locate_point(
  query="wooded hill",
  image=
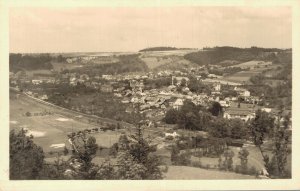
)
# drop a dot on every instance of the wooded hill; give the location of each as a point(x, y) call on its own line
point(28, 62)
point(219, 55)
point(126, 63)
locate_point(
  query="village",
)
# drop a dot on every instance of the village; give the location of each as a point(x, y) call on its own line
point(152, 102)
point(150, 92)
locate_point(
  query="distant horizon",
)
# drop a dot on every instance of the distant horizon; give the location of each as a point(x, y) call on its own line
point(137, 51)
point(129, 29)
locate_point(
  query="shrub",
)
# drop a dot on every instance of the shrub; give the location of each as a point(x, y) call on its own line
point(113, 151)
point(237, 169)
point(165, 169)
point(169, 137)
point(197, 164)
point(66, 151)
point(184, 159)
point(28, 114)
point(178, 158)
point(252, 171)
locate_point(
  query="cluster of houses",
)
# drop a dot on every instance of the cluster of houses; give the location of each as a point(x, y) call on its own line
point(155, 102)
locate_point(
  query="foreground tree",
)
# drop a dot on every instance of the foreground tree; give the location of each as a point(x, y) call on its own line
point(261, 127)
point(135, 160)
point(142, 151)
point(171, 116)
point(25, 157)
point(278, 163)
point(216, 109)
point(84, 150)
point(243, 155)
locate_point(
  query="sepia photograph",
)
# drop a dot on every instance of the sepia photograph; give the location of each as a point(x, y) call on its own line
point(183, 92)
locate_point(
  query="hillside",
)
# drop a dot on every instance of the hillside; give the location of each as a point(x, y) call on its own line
point(19, 62)
point(218, 55)
point(167, 60)
point(126, 63)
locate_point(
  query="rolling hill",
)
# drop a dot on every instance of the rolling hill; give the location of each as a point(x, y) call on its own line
point(217, 55)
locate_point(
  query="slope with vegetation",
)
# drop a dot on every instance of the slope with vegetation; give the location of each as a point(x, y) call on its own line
point(126, 63)
point(19, 62)
point(219, 55)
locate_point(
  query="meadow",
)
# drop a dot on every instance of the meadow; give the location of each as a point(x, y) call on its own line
point(193, 173)
point(53, 129)
point(255, 67)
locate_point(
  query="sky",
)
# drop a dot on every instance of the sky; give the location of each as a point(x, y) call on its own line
point(127, 29)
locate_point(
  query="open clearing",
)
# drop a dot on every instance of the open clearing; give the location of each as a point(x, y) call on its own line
point(190, 173)
point(244, 76)
point(166, 60)
point(253, 63)
point(241, 77)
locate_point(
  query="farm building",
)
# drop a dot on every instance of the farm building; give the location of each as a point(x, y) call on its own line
point(178, 104)
point(243, 114)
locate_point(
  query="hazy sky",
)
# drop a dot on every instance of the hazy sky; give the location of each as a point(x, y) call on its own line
point(131, 29)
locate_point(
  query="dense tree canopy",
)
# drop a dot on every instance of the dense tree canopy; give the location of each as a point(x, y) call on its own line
point(216, 109)
point(29, 62)
point(26, 158)
point(189, 116)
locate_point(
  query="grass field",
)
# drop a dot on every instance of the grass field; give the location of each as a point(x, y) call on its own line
point(54, 127)
point(255, 67)
point(244, 76)
point(192, 173)
point(58, 66)
point(253, 63)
